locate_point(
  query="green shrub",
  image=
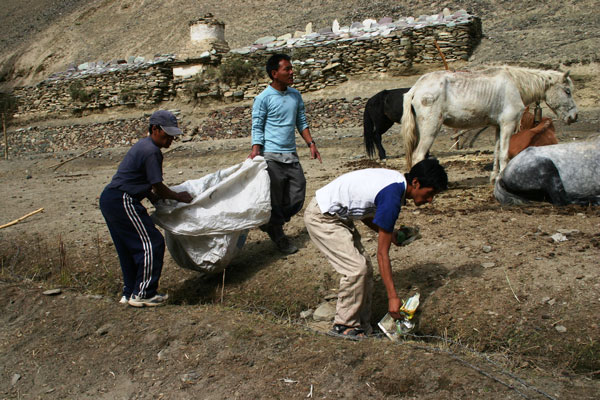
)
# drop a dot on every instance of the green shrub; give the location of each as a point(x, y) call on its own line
point(235, 70)
point(196, 86)
point(94, 94)
point(8, 104)
point(78, 92)
point(210, 73)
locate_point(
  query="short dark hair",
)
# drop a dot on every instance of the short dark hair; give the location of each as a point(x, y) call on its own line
point(429, 173)
point(273, 62)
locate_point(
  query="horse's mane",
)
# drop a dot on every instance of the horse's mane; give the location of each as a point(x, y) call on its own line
point(532, 83)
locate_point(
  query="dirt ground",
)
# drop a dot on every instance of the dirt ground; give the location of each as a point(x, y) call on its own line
point(506, 311)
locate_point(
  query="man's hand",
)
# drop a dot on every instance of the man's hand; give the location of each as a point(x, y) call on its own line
point(255, 151)
point(184, 197)
point(314, 153)
point(394, 304)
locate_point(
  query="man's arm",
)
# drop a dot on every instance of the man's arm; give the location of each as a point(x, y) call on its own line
point(259, 117)
point(384, 242)
point(314, 153)
point(164, 192)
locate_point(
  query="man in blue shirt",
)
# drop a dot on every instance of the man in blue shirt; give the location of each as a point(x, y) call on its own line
point(374, 196)
point(277, 112)
point(139, 244)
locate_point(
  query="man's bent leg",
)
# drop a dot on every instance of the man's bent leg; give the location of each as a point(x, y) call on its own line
point(121, 229)
point(147, 246)
point(335, 239)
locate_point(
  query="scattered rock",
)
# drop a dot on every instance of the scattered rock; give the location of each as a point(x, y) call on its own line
point(560, 328)
point(559, 237)
point(15, 378)
point(190, 377)
point(486, 249)
point(488, 265)
point(52, 292)
point(104, 329)
point(325, 312)
point(307, 314)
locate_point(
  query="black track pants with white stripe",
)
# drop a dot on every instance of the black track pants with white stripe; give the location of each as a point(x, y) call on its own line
point(139, 244)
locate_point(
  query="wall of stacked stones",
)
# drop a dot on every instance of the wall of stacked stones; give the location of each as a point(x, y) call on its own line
point(316, 66)
point(330, 63)
point(137, 87)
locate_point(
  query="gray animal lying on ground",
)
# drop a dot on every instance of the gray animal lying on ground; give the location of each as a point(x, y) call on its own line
point(561, 174)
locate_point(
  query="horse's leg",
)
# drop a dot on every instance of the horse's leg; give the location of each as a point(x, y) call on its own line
point(506, 131)
point(380, 129)
point(368, 129)
point(495, 168)
point(554, 187)
point(428, 126)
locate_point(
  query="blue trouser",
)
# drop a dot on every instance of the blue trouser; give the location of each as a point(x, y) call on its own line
point(139, 244)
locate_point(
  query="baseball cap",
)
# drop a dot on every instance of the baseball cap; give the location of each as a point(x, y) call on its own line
point(167, 121)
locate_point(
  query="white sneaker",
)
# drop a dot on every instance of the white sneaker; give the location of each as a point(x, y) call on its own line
point(124, 300)
point(157, 300)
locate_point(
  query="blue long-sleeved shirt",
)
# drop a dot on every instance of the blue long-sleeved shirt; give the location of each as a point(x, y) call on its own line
point(275, 115)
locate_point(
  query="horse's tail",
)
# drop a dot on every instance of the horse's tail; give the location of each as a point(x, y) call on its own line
point(411, 139)
point(505, 197)
point(369, 132)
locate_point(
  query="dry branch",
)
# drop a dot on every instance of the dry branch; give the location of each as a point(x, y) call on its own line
point(56, 166)
point(16, 221)
point(441, 54)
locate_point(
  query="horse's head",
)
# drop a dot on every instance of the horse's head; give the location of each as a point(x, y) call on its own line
point(559, 98)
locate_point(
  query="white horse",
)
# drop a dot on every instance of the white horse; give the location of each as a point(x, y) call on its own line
point(491, 97)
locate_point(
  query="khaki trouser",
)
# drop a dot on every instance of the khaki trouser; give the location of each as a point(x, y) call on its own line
point(339, 241)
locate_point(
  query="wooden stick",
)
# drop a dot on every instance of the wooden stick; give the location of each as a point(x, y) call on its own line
point(56, 166)
point(510, 286)
point(16, 221)
point(5, 138)
point(441, 54)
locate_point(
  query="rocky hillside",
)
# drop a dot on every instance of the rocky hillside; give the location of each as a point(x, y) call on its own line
point(44, 36)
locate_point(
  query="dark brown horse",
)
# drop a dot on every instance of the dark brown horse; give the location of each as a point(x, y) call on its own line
point(381, 111)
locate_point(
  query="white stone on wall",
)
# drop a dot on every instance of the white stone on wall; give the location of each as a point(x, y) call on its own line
point(188, 70)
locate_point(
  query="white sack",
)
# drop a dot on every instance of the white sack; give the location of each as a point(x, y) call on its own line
point(207, 233)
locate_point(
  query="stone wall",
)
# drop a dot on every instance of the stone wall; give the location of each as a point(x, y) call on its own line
point(143, 86)
point(330, 62)
point(326, 59)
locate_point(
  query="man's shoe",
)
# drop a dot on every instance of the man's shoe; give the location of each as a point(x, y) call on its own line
point(285, 246)
point(157, 300)
point(124, 299)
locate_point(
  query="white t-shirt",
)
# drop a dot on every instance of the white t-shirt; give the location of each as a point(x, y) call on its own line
point(374, 192)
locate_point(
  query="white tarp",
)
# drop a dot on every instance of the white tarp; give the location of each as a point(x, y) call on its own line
point(207, 233)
